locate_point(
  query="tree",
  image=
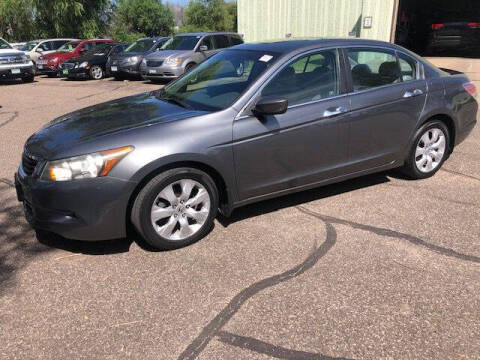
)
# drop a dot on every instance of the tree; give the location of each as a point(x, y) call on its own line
point(133, 19)
point(16, 20)
point(207, 15)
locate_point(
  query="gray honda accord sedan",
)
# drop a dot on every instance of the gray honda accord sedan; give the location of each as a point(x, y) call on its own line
point(253, 122)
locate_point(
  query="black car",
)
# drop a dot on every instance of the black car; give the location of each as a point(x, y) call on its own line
point(92, 65)
point(127, 64)
point(454, 33)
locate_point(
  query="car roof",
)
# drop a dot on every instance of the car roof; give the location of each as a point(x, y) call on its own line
point(287, 46)
point(207, 33)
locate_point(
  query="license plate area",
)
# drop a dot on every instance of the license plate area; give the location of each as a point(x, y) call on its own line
point(15, 71)
point(114, 68)
point(65, 72)
point(152, 71)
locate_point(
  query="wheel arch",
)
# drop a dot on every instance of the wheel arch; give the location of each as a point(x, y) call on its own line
point(449, 123)
point(225, 198)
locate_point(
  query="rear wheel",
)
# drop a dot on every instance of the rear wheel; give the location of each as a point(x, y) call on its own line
point(429, 150)
point(176, 208)
point(96, 72)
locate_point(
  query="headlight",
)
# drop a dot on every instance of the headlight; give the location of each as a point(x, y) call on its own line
point(85, 166)
point(133, 59)
point(173, 61)
point(83, 64)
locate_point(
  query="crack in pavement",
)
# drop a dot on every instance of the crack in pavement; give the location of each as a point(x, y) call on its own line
point(13, 117)
point(100, 93)
point(278, 352)
point(211, 330)
point(460, 174)
point(393, 234)
point(7, 182)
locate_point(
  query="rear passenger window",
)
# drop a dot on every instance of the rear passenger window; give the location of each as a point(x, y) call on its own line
point(408, 67)
point(58, 43)
point(221, 41)
point(309, 78)
point(207, 41)
point(373, 68)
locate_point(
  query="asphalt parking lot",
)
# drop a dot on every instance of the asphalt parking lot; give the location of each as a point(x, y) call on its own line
point(374, 268)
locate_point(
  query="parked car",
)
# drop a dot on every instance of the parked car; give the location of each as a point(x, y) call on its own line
point(251, 123)
point(459, 34)
point(127, 63)
point(49, 64)
point(183, 52)
point(14, 64)
point(91, 65)
point(35, 48)
point(18, 45)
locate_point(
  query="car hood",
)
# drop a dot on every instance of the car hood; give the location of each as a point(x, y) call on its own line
point(163, 54)
point(91, 58)
point(103, 119)
point(10, 52)
point(60, 54)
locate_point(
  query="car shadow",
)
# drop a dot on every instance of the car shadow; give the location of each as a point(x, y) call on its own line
point(11, 82)
point(286, 201)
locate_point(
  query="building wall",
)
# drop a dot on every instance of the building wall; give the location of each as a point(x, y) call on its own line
point(260, 20)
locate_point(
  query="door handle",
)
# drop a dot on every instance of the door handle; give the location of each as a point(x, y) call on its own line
point(415, 92)
point(334, 111)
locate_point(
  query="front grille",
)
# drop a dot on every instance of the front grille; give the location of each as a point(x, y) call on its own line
point(11, 60)
point(29, 163)
point(68, 66)
point(154, 63)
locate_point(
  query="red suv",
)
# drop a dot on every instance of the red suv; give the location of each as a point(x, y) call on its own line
point(48, 64)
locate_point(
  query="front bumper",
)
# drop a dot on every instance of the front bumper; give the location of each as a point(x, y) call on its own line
point(16, 71)
point(78, 73)
point(87, 209)
point(161, 72)
point(124, 70)
point(46, 69)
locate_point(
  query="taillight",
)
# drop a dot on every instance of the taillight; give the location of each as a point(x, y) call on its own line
point(437, 26)
point(474, 25)
point(470, 88)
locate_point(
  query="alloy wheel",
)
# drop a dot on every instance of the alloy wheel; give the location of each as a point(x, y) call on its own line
point(180, 209)
point(430, 150)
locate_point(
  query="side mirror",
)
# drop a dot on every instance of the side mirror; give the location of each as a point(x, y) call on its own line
point(203, 48)
point(270, 106)
point(38, 50)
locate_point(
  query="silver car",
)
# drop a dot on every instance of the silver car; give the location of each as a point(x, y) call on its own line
point(183, 52)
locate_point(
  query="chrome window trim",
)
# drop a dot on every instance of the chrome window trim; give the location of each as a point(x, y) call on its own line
point(286, 63)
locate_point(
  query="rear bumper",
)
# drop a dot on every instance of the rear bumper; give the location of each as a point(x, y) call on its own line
point(88, 209)
point(467, 119)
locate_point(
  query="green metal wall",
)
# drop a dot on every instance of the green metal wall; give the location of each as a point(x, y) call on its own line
point(260, 20)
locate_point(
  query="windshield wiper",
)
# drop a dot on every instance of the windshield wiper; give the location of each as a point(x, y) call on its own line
point(176, 101)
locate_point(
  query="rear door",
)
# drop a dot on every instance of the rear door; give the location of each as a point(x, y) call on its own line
point(305, 145)
point(210, 44)
point(388, 96)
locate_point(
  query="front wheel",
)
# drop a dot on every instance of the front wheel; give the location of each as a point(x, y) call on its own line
point(429, 150)
point(176, 208)
point(96, 72)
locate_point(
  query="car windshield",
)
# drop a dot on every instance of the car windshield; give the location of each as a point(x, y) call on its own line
point(140, 46)
point(181, 43)
point(4, 44)
point(29, 46)
point(219, 81)
point(68, 47)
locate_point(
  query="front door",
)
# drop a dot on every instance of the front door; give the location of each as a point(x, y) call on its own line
point(387, 100)
point(305, 145)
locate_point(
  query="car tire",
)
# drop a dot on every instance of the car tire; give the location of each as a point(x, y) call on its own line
point(28, 79)
point(96, 72)
point(429, 150)
point(176, 208)
point(189, 67)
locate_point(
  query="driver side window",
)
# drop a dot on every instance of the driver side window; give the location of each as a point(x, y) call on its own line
point(309, 78)
point(208, 42)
